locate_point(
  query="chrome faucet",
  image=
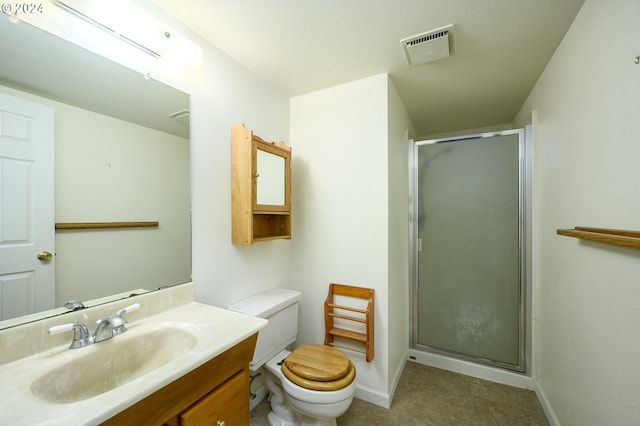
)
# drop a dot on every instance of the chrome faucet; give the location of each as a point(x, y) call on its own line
point(81, 335)
point(113, 324)
point(107, 327)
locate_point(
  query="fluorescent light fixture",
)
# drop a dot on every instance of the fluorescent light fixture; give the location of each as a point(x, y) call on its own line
point(133, 25)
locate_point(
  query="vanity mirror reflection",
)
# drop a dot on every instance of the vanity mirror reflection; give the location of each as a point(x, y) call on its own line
point(121, 155)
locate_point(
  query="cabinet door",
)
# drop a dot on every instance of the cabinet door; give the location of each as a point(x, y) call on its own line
point(226, 405)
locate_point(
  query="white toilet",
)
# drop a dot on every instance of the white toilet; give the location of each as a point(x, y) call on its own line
point(312, 385)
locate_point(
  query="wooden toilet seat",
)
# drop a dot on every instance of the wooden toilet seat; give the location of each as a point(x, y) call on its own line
point(319, 367)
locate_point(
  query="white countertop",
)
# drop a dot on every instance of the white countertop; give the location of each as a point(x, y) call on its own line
point(216, 331)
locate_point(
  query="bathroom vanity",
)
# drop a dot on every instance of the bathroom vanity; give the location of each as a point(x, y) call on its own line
point(216, 393)
point(179, 362)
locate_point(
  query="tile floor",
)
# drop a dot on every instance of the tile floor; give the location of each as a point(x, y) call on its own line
point(431, 396)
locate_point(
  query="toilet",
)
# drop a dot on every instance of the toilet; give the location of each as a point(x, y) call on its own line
point(314, 384)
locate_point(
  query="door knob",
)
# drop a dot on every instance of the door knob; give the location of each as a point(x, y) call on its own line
point(44, 256)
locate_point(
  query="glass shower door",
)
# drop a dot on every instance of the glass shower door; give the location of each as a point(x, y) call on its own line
point(468, 225)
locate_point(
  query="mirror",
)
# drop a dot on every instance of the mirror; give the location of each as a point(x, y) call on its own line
point(135, 169)
point(271, 169)
point(270, 183)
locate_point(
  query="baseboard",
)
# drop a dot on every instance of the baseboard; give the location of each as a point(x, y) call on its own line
point(471, 369)
point(546, 405)
point(396, 377)
point(373, 396)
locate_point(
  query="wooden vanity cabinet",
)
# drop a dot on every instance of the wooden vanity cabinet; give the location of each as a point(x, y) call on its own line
point(226, 405)
point(260, 188)
point(216, 393)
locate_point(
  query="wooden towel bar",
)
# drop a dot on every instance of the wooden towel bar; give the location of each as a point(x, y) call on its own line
point(621, 237)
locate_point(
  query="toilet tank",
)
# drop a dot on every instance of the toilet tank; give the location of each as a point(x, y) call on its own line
point(280, 307)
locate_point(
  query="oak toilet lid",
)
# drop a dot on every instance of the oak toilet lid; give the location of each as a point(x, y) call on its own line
point(319, 367)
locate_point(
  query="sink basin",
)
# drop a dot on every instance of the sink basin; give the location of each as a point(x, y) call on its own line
point(104, 366)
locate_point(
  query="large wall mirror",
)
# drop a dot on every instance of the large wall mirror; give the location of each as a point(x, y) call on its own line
point(121, 155)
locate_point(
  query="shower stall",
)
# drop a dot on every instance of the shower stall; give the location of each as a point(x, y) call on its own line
point(468, 237)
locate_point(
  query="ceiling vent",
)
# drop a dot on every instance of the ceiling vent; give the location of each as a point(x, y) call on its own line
point(428, 47)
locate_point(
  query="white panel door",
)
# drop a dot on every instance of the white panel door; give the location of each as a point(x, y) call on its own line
point(27, 284)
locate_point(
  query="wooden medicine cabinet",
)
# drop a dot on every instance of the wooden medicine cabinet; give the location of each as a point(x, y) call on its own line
point(260, 188)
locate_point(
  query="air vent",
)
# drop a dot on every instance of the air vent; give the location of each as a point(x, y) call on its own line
point(428, 47)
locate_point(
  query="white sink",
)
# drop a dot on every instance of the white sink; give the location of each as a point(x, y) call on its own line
point(107, 365)
point(87, 386)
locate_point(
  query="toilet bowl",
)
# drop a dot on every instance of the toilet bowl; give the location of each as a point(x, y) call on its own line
point(294, 404)
point(314, 384)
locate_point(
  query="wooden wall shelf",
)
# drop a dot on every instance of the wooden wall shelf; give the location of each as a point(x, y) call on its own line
point(619, 237)
point(102, 225)
point(362, 317)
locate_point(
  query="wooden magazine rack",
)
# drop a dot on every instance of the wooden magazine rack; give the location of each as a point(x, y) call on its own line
point(362, 319)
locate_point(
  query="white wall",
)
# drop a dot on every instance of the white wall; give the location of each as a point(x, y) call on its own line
point(399, 130)
point(343, 151)
point(587, 343)
point(223, 93)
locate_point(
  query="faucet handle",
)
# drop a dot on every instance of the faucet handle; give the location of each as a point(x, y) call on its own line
point(81, 335)
point(74, 305)
point(119, 320)
point(128, 309)
point(113, 325)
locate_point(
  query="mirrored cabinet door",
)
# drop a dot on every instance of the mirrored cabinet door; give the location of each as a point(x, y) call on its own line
point(271, 173)
point(270, 178)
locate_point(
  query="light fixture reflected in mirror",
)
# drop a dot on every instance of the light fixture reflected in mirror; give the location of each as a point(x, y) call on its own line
point(14, 18)
point(132, 25)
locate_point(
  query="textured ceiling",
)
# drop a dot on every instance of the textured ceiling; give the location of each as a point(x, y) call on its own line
point(501, 48)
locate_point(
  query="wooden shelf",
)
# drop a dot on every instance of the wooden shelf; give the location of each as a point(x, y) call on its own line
point(619, 237)
point(271, 226)
point(348, 334)
point(102, 225)
point(362, 317)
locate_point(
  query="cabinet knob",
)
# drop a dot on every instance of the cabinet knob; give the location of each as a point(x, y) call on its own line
point(220, 423)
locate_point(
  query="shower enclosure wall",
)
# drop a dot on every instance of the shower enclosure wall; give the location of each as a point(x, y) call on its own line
point(469, 248)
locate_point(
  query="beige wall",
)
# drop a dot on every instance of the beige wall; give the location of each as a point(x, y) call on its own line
point(587, 338)
point(111, 170)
